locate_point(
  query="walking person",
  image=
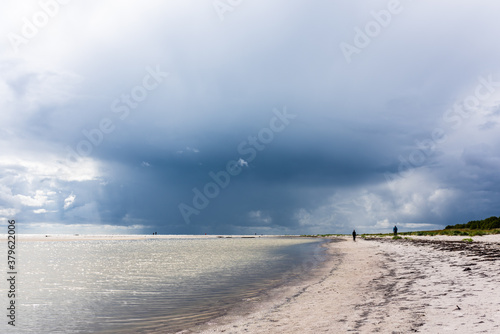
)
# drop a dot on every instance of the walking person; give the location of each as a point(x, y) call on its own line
point(395, 230)
point(354, 235)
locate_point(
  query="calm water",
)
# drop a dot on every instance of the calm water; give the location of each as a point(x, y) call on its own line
point(134, 285)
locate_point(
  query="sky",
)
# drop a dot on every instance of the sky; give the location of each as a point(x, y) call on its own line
point(243, 117)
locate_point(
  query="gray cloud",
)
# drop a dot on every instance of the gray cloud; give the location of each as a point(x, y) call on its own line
point(341, 163)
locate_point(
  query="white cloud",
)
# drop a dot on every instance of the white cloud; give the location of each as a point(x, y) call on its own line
point(31, 166)
point(260, 217)
point(441, 199)
point(8, 212)
point(39, 199)
point(129, 220)
point(28, 87)
point(419, 226)
point(304, 218)
point(194, 150)
point(417, 201)
point(189, 149)
point(69, 201)
point(58, 228)
point(384, 224)
point(34, 180)
point(242, 163)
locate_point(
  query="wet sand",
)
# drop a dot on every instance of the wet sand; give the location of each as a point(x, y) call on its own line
point(426, 285)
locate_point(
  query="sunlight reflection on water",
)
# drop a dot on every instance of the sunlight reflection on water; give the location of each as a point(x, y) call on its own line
point(109, 285)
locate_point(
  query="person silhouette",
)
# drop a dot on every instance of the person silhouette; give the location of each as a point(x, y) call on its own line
point(395, 230)
point(353, 235)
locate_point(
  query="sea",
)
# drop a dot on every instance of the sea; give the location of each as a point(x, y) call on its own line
point(148, 285)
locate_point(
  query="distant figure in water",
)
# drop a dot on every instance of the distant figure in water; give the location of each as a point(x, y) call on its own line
point(353, 235)
point(395, 230)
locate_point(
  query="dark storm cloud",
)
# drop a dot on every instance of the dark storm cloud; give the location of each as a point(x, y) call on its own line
point(84, 87)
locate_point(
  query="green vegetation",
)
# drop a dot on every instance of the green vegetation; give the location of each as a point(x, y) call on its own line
point(467, 240)
point(396, 237)
point(471, 229)
point(485, 224)
point(457, 232)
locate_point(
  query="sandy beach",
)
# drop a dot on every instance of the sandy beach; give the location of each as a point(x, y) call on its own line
point(426, 284)
point(438, 284)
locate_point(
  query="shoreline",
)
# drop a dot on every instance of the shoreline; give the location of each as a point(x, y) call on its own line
point(425, 285)
point(275, 297)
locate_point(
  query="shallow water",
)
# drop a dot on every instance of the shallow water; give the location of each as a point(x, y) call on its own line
point(141, 285)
